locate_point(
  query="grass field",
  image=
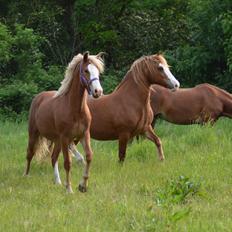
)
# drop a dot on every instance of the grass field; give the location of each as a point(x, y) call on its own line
point(142, 195)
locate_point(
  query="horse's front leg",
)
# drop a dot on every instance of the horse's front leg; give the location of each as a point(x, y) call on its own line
point(67, 163)
point(55, 155)
point(149, 133)
point(122, 144)
point(85, 141)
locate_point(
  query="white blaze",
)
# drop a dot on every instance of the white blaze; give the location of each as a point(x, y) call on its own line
point(94, 73)
point(172, 79)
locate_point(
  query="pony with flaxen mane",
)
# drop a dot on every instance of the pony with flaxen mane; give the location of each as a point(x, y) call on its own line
point(126, 112)
point(60, 116)
point(199, 105)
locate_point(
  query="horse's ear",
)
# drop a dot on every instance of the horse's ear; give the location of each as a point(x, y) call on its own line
point(101, 55)
point(160, 53)
point(86, 56)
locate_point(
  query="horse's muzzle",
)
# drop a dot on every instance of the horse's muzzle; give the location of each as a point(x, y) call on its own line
point(97, 93)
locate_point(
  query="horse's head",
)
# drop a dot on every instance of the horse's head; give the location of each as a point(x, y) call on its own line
point(163, 75)
point(90, 69)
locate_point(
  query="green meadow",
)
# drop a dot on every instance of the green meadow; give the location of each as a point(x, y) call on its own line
point(190, 191)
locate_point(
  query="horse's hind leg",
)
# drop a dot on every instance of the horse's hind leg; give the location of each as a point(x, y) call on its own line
point(154, 121)
point(79, 158)
point(154, 138)
point(33, 139)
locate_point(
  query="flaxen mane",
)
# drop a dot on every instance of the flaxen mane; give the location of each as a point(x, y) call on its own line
point(139, 66)
point(98, 62)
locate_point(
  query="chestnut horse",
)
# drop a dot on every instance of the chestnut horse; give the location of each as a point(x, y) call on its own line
point(199, 105)
point(126, 112)
point(60, 116)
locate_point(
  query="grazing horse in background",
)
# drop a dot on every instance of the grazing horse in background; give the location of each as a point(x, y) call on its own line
point(126, 112)
point(60, 116)
point(199, 105)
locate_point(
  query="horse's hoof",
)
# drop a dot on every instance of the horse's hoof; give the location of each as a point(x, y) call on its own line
point(82, 188)
point(121, 161)
point(25, 175)
point(57, 182)
point(69, 190)
point(161, 158)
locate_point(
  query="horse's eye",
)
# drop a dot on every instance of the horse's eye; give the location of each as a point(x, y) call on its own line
point(86, 71)
point(160, 68)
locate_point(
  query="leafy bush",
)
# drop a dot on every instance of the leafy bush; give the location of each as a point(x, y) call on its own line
point(21, 69)
point(173, 200)
point(226, 20)
point(111, 79)
point(16, 97)
point(177, 191)
point(38, 40)
point(5, 44)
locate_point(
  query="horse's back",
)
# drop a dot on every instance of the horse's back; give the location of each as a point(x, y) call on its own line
point(42, 97)
point(190, 105)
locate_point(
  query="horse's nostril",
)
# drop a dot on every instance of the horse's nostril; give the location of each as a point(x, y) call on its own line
point(95, 91)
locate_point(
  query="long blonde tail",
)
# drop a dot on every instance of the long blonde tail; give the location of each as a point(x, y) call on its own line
point(43, 149)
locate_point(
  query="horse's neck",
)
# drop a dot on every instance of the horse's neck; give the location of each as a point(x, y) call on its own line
point(76, 95)
point(130, 89)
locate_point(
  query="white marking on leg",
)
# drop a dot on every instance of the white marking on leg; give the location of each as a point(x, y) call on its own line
point(57, 174)
point(75, 153)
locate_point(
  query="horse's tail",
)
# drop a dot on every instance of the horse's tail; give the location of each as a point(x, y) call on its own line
point(38, 146)
point(43, 149)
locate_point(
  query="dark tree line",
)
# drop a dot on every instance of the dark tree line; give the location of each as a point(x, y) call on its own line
point(38, 38)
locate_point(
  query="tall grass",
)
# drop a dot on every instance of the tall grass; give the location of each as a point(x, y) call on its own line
point(124, 197)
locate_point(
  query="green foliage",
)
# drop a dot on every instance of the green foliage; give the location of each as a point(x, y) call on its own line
point(111, 79)
point(227, 30)
point(17, 96)
point(177, 191)
point(21, 69)
point(38, 39)
point(174, 200)
point(204, 58)
point(5, 45)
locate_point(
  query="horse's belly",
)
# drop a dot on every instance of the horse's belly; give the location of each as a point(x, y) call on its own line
point(46, 126)
point(184, 117)
point(47, 130)
point(107, 134)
